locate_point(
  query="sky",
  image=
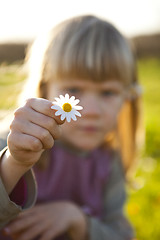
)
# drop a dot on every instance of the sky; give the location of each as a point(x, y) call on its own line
point(23, 20)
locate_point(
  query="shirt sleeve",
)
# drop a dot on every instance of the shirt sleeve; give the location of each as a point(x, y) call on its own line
point(8, 208)
point(114, 225)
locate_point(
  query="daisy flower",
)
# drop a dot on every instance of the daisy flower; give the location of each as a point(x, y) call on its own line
point(67, 107)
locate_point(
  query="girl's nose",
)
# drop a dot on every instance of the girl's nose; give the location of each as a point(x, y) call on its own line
point(91, 105)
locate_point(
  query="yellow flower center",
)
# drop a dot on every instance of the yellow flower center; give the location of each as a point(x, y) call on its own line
point(67, 107)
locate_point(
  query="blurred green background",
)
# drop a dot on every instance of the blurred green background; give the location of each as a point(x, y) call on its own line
point(143, 205)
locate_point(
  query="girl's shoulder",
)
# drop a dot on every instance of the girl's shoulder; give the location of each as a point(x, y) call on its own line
point(114, 155)
point(4, 130)
point(3, 142)
point(116, 165)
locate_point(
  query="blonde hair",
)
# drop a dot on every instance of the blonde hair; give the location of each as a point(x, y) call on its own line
point(90, 48)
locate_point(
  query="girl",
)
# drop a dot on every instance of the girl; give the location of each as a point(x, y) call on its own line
point(80, 176)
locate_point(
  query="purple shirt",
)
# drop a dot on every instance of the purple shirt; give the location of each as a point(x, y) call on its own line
point(79, 178)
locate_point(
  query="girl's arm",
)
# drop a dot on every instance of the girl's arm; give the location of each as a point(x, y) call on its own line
point(33, 129)
point(10, 170)
point(114, 225)
point(23, 195)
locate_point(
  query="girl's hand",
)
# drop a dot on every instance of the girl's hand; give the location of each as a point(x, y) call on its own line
point(49, 221)
point(33, 129)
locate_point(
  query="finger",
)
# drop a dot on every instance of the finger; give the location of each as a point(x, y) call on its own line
point(20, 224)
point(36, 131)
point(45, 122)
point(24, 142)
point(32, 232)
point(38, 229)
point(37, 118)
point(43, 106)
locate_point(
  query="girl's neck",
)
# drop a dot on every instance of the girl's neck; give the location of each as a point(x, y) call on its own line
point(72, 149)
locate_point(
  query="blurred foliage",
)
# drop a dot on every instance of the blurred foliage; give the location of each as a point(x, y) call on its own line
point(149, 74)
point(11, 82)
point(143, 206)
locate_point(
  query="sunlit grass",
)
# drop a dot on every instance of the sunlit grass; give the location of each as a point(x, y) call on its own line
point(149, 72)
point(11, 82)
point(143, 205)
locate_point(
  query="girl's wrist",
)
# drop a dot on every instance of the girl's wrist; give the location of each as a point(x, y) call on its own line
point(11, 171)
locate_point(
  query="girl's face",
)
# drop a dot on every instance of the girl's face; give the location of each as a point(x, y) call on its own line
point(101, 103)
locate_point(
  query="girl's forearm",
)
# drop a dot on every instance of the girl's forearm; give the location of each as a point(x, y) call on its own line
point(11, 171)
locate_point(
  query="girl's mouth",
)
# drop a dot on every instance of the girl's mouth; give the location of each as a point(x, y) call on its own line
point(90, 129)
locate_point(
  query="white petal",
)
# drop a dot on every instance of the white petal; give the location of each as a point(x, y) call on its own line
point(78, 107)
point(74, 117)
point(63, 116)
point(61, 97)
point(68, 118)
point(66, 96)
point(76, 101)
point(57, 103)
point(77, 113)
point(57, 99)
point(59, 112)
point(55, 107)
point(72, 99)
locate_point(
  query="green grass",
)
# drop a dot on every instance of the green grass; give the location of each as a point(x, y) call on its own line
point(143, 206)
point(11, 82)
point(149, 72)
point(144, 203)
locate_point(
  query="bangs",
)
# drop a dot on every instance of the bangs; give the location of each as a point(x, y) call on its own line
point(89, 48)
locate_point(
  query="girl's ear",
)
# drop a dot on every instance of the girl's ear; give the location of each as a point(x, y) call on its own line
point(127, 95)
point(133, 92)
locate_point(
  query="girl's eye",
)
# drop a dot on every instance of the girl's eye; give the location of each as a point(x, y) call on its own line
point(73, 90)
point(108, 93)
